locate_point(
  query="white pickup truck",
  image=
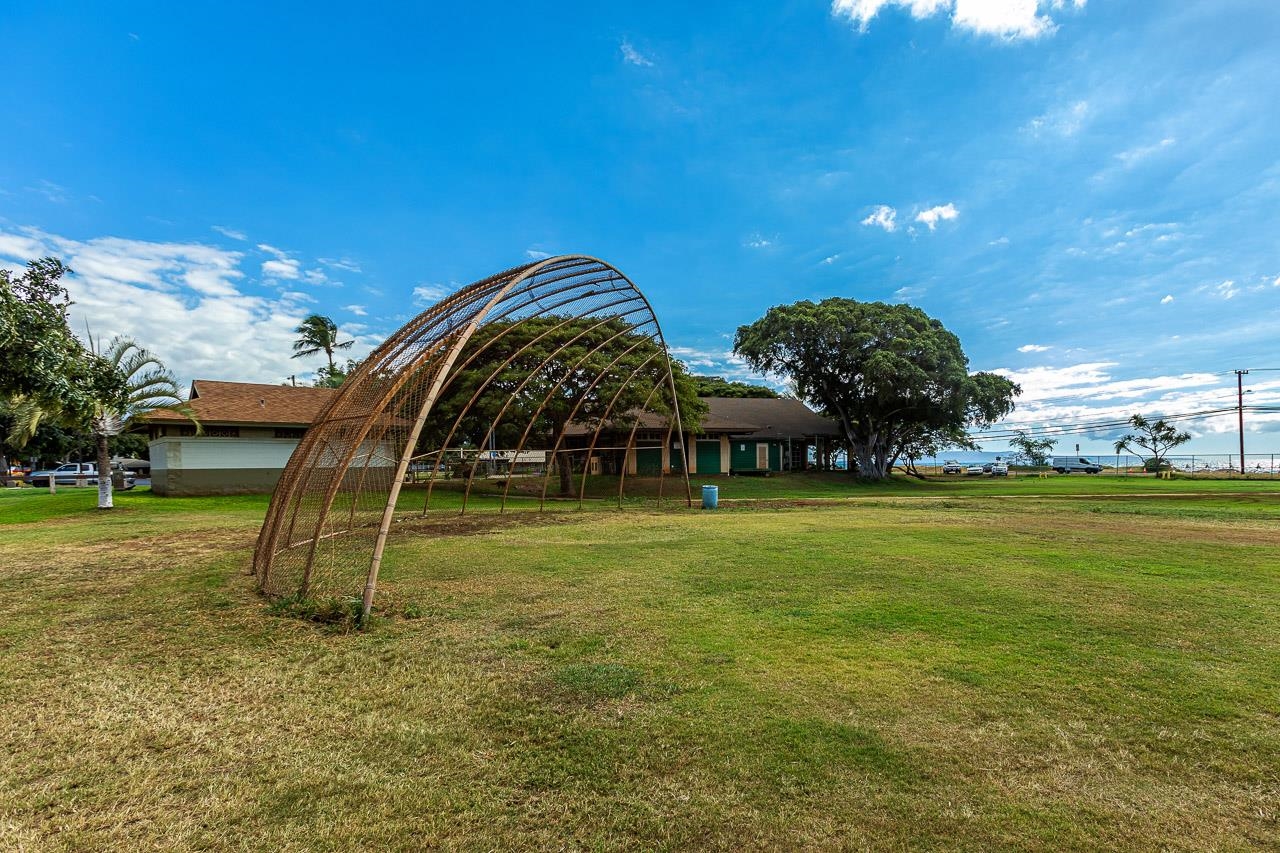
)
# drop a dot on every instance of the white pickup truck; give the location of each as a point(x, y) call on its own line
point(72, 474)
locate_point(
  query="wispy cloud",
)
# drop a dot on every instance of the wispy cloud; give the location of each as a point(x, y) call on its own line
point(1034, 348)
point(1167, 299)
point(633, 56)
point(358, 310)
point(934, 215)
point(231, 232)
point(51, 191)
point(344, 264)
point(536, 254)
point(883, 216)
point(1133, 156)
point(756, 241)
point(1063, 121)
point(429, 294)
point(1006, 19)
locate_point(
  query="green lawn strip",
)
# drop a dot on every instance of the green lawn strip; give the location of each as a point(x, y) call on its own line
point(986, 674)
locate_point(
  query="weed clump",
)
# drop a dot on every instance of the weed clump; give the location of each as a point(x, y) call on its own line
point(343, 614)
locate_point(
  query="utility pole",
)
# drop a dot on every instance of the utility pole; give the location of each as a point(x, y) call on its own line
point(1240, 412)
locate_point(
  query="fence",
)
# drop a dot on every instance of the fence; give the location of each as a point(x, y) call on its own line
point(1216, 465)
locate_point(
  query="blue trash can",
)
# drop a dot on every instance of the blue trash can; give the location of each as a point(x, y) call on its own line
point(710, 497)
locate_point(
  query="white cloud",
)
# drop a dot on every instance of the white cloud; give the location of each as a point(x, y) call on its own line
point(180, 300)
point(286, 269)
point(723, 363)
point(633, 56)
point(933, 215)
point(1089, 393)
point(1167, 299)
point(281, 266)
point(755, 241)
point(902, 294)
point(536, 254)
point(344, 264)
point(1001, 241)
point(1065, 121)
point(1133, 156)
point(429, 294)
point(1006, 19)
point(1227, 289)
point(833, 258)
point(883, 216)
point(358, 310)
point(1034, 348)
point(230, 232)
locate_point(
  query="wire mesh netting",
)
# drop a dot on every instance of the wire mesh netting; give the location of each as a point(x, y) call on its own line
point(539, 374)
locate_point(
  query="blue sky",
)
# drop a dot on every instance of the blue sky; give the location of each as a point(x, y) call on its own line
point(1088, 194)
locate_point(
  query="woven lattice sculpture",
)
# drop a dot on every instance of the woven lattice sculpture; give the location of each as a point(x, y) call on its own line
point(549, 357)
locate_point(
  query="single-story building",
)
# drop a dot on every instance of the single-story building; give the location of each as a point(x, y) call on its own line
point(737, 436)
point(248, 433)
point(250, 430)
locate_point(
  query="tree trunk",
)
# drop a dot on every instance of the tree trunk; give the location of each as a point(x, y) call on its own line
point(565, 466)
point(104, 472)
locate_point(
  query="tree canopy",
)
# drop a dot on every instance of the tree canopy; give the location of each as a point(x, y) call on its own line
point(718, 386)
point(318, 334)
point(1036, 450)
point(41, 361)
point(550, 370)
point(892, 377)
point(1156, 438)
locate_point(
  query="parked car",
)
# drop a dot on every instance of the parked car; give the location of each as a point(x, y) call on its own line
point(951, 466)
point(1067, 464)
point(74, 473)
point(974, 471)
point(999, 469)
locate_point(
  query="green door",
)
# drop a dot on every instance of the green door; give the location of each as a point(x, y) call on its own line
point(649, 460)
point(742, 455)
point(709, 457)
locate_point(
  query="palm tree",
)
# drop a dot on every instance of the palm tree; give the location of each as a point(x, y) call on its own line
point(149, 387)
point(319, 334)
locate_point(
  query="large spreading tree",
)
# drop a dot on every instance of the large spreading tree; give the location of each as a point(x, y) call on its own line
point(891, 376)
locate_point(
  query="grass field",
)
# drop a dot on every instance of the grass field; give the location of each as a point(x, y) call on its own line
point(972, 665)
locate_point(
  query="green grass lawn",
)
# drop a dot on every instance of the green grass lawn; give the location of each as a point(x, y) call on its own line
point(965, 665)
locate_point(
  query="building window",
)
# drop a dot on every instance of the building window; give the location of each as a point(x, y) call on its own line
point(211, 432)
point(290, 432)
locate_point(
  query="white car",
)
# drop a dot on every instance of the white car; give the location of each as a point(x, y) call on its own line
point(999, 469)
point(974, 471)
point(951, 466)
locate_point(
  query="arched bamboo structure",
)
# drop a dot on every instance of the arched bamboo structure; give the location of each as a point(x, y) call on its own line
point(581, 337)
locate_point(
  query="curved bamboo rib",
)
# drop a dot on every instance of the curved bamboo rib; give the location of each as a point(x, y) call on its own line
point(335, 504)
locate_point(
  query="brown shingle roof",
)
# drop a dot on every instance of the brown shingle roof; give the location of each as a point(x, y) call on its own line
point(774, 418)
point(250, 403)
point(285, 405)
